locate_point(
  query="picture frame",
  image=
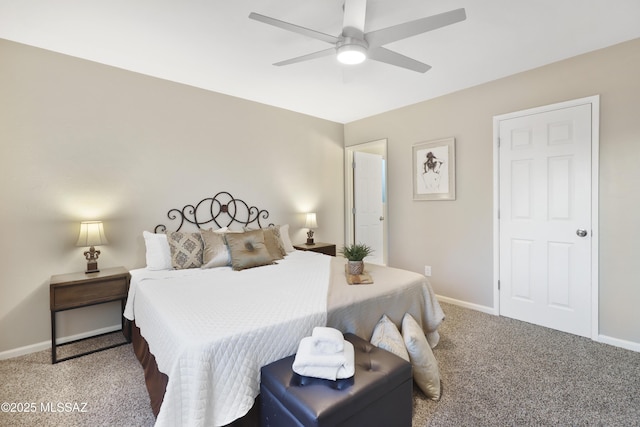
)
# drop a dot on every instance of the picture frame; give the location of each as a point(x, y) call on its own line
point(434, 170)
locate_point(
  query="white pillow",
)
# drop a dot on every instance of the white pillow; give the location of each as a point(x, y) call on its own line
point(387, 337)
point(286, 240)
point(425, 366)
point(158, 252)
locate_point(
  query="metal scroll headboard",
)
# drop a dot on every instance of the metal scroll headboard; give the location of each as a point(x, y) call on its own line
point(223, 210)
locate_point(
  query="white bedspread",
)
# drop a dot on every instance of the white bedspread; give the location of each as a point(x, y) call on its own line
point(212, 352)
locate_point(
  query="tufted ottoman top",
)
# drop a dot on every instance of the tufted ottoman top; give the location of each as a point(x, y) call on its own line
point(381, 387)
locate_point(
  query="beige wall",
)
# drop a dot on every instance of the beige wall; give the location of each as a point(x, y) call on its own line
point(456, 237)
point(79, 140)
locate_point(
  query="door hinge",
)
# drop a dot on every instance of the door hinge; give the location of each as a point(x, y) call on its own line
point(353, 211)
point(498, 142)
point(353, 164)
point(498, 284)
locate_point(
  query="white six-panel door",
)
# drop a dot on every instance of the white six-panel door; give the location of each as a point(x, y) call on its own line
point(545, 221)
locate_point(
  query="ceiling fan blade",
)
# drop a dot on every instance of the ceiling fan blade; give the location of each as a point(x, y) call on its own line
point(294, 28)
point(412, 28)
point(319, 54)
point(390, 57)
point(355, 12)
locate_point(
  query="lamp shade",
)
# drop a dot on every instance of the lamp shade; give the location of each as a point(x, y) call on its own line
point(91, 234)
point(311, 221)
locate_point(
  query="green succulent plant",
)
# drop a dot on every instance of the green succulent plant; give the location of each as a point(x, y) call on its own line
point(356, 251)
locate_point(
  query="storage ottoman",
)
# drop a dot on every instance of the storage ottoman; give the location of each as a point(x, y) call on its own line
point(379, 394)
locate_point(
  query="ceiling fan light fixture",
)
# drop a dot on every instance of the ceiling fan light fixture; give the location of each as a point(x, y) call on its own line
point(351, 52)
point(352, 46)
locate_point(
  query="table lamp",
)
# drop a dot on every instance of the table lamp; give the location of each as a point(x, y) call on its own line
point(310, 224)
point(91, 234)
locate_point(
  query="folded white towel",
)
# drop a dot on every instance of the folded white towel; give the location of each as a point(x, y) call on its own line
point(324, 366)
point(327, 340)
point(307, 357)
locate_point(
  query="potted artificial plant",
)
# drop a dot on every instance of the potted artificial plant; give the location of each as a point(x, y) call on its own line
point(355, 253)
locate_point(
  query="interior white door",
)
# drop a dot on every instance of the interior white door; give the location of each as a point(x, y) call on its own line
point(545, 218)
point(368, 204)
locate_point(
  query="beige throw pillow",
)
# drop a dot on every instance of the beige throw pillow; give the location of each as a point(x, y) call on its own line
point(215, 252)
point(248, 250)
point(425, 366)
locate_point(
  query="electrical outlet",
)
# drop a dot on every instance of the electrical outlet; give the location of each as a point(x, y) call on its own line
point(427, 270)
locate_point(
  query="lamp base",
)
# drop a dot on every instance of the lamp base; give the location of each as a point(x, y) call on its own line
point(92, 260)
point(92, 267)
point(310, 237)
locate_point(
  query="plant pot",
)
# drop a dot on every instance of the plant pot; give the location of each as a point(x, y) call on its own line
point(355, 267)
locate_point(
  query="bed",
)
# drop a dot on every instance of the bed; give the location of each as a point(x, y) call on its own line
point(202, 334)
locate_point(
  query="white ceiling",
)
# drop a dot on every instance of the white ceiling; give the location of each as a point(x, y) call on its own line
point(213, 45)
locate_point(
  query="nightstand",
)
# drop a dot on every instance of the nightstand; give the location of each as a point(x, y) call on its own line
point(75, 290)
point(321, 248)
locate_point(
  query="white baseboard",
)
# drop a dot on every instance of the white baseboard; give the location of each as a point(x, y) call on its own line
point(465, 304)
point(616, 342)
point(628, 345)
point(45, 345)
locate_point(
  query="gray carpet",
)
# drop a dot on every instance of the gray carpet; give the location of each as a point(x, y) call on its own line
point(111, 383)
point(495, 371)
point(498, 371)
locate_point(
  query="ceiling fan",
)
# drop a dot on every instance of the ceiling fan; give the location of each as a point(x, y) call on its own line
point(353, 46)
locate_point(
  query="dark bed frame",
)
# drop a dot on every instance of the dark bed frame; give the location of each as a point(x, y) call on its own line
point(221, 210)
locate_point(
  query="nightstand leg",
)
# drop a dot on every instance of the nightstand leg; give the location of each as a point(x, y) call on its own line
point(53, 337)
point(126, 323)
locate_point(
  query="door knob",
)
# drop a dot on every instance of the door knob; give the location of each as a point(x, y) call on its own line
point(581, 232)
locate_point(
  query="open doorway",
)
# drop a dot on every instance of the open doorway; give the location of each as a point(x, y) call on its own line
point(367, 224)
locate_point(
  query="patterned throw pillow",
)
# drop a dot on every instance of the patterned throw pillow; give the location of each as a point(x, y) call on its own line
point(186, 249)
point(275, 229)
point(273, 242)
point(387, 337)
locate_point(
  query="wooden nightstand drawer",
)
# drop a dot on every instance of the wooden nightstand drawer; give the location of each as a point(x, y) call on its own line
point(86, 294)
